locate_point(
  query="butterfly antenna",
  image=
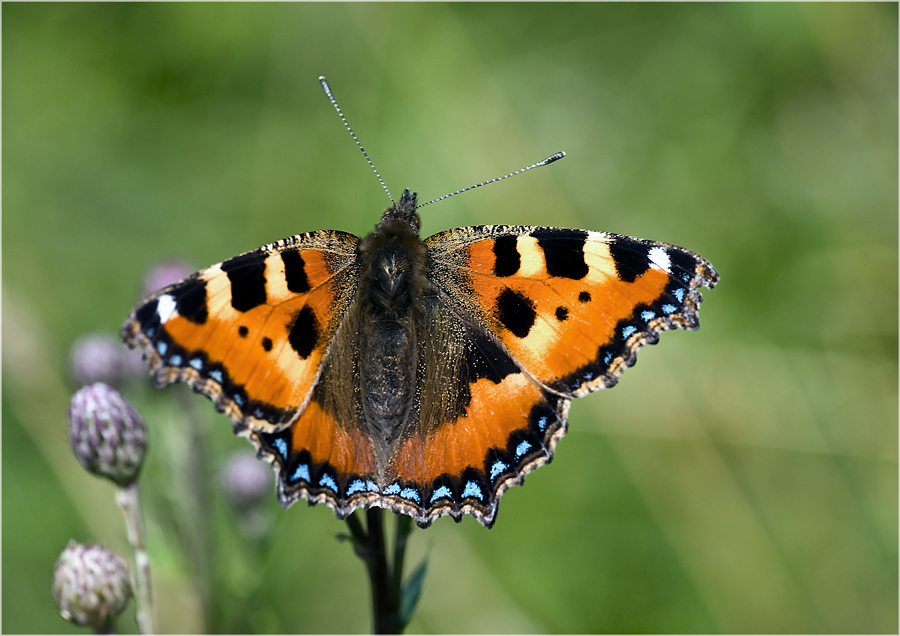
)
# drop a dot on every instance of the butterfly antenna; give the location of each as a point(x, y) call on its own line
point(334, 103)
point(550, 159)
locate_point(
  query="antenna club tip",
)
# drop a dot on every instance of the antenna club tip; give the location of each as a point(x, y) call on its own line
point(321, 78)
point(555, 157)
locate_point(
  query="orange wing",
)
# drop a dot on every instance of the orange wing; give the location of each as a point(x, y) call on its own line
point(251, 332)
point(571, 306)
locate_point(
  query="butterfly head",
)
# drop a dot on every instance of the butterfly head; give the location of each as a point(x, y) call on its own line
point(403, 212)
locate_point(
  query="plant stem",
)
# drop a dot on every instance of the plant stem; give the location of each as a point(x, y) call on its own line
point(128, 498)
point(386, 578)
point(404, 527)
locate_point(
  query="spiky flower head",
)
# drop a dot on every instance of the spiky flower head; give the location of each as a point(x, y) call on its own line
point(107, 433)
point(99, 357)
point(248, 483)
point(165, 273)
point(246, 480)
point(90, 585)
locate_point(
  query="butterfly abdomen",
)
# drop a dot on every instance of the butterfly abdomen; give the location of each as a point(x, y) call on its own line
point(392, 283)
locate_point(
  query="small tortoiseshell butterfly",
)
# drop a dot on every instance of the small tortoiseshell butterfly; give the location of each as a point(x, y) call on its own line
point(422, 376)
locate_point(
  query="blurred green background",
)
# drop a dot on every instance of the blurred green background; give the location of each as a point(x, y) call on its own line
point(742, 478)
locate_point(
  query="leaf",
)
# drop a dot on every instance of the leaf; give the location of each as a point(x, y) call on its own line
point(412, 591)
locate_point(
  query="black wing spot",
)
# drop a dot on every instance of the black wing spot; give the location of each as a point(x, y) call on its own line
point(485, 359)
point(147, 315)
point(584, 297)
point(563, 252)
point(267, 344)
point(303, 332)
point(190, 301)
point(515, 312)
point(682, 262)
point(247, 275)
point(295, 271)
point(507, 258)
point(562, 313)
point(631, 259)
point(243, 331)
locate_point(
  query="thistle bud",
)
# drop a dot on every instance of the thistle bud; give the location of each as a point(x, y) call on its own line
point(247, 483)
point(164, 274)
point(98, 357)
point(246, 480)
point(107, 434)
point(90, 585)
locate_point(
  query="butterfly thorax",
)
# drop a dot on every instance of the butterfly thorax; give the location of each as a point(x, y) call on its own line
point(393, 281)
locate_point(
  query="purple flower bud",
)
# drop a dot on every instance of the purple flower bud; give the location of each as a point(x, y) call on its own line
point(246, 480)
point(107, 434)
point(165, 273)
point(90, 585)
point(99, 357)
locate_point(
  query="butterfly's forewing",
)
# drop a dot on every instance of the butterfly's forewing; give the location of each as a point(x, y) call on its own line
point(571, 306)
point(251, 332)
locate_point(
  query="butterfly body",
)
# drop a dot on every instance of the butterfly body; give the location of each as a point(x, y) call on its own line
point(391, 306)
point(422, 376)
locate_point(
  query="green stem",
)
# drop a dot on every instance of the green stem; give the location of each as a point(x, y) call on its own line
point(128, 499)
point(385, 577)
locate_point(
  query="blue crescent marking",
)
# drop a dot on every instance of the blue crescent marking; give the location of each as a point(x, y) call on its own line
point(217, 376)
point(679, 294)
point(302, 472)
point(371, 486)
point(522, 448)
point(472, 490)
point(281, 445)
point(497, 468)
point(627, 331)
point(668, 309)
point(197, 363)
point(328, 482)
point(647, 315)
point(393, 489)
point(443, 491)
point(176, 360)
point(238, 399)
point(355, 486)
point(542, 424)
point(162, 347)
point(410, 493)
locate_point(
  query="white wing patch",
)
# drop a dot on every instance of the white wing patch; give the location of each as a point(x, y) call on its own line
point(165, 307)
point(660, 259)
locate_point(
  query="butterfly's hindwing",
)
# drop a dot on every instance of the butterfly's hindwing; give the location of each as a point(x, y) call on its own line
point(482, 423)
point(479, 425)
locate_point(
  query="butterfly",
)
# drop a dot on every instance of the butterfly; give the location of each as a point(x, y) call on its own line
point(423, 376)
